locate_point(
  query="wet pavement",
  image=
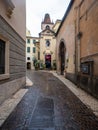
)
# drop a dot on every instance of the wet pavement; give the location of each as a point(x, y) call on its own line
point(50, 105)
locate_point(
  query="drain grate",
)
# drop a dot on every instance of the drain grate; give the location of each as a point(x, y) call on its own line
point(43, 117)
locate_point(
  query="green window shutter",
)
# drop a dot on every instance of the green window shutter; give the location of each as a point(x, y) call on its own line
point(28, 40)
point(28, 49)
point(34, 50)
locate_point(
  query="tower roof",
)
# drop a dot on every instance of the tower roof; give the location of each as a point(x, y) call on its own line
point(47, 19)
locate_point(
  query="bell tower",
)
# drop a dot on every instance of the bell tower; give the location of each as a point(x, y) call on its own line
point(46, 23)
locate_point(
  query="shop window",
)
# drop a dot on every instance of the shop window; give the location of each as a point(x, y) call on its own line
point(87, 68)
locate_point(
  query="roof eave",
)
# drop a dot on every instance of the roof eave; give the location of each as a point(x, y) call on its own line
point(65, 15)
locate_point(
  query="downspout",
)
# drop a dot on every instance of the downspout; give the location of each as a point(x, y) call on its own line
point(78, 36)
point(75, 60)
point(78, 43)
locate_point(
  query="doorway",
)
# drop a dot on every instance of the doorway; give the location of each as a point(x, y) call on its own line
point(48, 61)
point(28, 65)
point(62, 58)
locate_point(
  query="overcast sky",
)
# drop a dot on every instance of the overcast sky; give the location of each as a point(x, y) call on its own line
point(36, 10)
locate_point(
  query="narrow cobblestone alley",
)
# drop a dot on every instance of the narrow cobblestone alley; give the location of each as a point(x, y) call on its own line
point(50, 105)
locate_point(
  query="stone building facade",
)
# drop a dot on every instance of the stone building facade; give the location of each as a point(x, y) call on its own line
point(12, 47)
point(65, 38)
point(77, 44)
point(32, 50)
point(47, 42)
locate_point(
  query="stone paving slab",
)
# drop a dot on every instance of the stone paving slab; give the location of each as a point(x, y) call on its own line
point(86, 98)
point(8, 106)
point(28, 82)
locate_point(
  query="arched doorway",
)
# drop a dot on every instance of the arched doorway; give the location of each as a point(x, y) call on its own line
point(62, 57)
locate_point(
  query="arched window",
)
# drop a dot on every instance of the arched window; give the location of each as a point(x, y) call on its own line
point(47, 43)
point(47, 27)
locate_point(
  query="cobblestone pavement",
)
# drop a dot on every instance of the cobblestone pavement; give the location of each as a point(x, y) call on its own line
point(50, 105)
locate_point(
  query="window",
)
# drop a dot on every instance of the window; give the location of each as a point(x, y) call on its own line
point(47, 43)
point(47, 27)
point(34, 41)
point(4, 58)
point(38, 55)
point(28, 49)
point(28, 58)
point(28, 40)
point(34, 50)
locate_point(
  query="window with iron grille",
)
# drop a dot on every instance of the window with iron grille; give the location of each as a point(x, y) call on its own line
point(2, 56)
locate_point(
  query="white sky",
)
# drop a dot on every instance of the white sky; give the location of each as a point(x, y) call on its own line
point(36, 10)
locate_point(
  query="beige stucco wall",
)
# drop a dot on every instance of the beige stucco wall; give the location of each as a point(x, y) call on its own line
point(18, 18)
point(89, 29)
point(31, 54)
point(67, 34)
point(48, 50)
point(56, 26)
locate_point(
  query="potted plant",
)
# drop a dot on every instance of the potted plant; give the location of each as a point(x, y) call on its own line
point(36, 65)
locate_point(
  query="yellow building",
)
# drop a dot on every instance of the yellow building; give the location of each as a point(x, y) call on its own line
point(47, 42)
point(56, 25)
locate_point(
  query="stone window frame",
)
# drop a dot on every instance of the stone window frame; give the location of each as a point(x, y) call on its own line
point(6, 75)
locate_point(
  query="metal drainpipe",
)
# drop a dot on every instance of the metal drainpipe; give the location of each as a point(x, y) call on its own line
point(75, 51)
point(78, 30)
point(78, 44)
